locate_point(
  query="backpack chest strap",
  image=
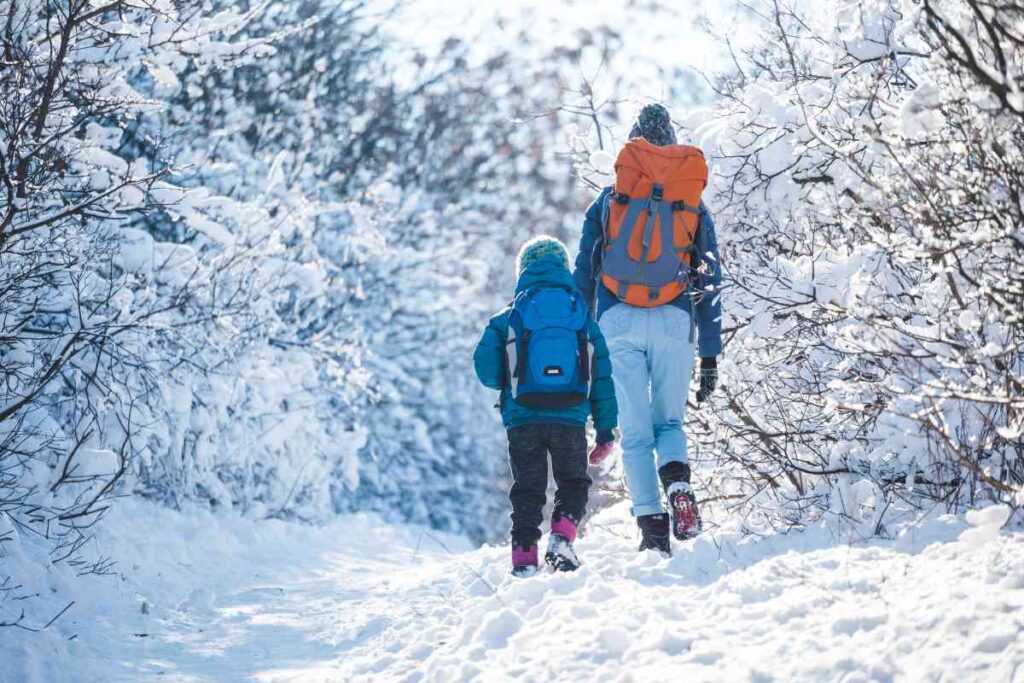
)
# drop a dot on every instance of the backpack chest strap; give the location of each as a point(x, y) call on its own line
point(680, 205)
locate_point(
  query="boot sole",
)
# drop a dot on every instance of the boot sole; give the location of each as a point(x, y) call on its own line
point(560, 563)
point(693, 532)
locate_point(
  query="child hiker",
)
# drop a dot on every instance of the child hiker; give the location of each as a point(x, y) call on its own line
point(549, 360)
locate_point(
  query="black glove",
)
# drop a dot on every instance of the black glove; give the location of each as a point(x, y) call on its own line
point(708, 378)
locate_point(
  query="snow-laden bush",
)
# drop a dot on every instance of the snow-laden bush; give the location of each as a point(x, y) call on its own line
point(98, 321)
point(868, 165)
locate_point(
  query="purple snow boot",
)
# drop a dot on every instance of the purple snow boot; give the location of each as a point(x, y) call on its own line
point(561, 555)
point(524, 560)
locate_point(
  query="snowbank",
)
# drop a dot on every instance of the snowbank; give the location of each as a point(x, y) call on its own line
point(204, 597)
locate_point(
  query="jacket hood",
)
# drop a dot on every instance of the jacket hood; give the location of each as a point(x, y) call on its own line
point(547, 271)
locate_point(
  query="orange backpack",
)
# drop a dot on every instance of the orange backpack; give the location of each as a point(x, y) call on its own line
point(651, 220)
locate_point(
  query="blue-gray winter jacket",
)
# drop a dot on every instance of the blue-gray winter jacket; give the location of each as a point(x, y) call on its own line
point(489, 360)
point(704, 287)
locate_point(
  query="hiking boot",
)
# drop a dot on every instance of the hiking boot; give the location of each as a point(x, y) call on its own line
point(654, 533)
point(524, 560)
point(686, 522)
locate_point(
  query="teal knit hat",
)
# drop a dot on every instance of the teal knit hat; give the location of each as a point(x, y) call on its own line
point(539, 247)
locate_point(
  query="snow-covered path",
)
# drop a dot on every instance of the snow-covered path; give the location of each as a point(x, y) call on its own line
point(729, 608)
point(234, 600)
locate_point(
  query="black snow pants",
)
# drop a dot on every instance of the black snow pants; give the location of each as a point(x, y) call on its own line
point(528, 449)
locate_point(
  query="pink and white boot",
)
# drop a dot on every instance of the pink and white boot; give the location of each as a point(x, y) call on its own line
point(524, 560)
point(560, 555)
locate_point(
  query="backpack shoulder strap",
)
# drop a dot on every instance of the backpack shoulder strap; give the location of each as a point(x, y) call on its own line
point(606, 207)
point(519, 299)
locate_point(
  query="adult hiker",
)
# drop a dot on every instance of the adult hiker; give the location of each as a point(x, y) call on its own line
point(649, 257)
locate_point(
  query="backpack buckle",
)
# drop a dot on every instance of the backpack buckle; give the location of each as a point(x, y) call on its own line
point(657, 192)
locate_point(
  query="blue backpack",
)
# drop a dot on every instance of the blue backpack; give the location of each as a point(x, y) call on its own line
point(548, 350)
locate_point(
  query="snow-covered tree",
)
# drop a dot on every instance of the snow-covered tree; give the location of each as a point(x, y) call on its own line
point(868, 165)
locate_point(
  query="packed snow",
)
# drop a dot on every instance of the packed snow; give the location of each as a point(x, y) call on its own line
point(221, 598)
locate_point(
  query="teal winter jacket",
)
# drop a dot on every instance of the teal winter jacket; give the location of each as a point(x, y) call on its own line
point(489, 359)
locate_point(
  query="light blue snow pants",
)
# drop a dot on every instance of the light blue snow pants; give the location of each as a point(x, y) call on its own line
point(652, 354)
